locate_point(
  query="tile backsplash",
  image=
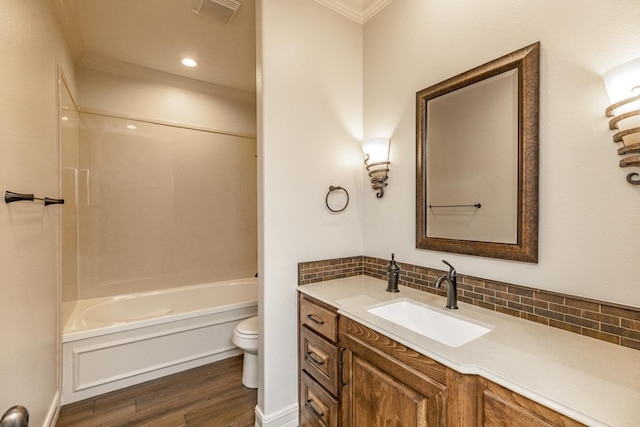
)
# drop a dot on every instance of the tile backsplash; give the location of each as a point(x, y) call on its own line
point(613, 323)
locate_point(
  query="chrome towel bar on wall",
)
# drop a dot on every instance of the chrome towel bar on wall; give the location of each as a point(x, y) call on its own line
point(10, 197)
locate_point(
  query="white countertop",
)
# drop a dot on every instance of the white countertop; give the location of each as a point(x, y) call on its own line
point(591, 381)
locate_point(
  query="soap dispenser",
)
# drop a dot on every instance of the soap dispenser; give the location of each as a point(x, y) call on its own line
point(393, 271)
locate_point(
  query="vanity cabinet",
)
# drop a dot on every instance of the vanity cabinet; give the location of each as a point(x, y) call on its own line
point(386, 383)
point(500, 407)
point(319, 362)
point(350, 375)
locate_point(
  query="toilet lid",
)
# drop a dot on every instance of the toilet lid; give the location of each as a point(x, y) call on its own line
point(248, 326)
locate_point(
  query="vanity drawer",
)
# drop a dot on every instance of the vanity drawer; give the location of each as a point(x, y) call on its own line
point(319, 358)
point(319, 319)
point(317, 407)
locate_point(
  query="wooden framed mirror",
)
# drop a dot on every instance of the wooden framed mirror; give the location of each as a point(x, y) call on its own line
point(477, 160)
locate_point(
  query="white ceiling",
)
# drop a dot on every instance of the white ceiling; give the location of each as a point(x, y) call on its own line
point(153, 35)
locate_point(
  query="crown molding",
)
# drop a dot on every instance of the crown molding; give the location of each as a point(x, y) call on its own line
point(358, 10)
point(127, 69)
point(71, 27)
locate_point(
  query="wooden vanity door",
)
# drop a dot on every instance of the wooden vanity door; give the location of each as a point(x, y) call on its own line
point(501, 407)
point(379, 390)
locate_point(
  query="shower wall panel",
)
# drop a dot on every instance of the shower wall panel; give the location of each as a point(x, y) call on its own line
point(69, 185)
point(164, 206)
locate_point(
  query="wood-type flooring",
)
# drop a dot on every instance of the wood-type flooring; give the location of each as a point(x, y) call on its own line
point(208, 396)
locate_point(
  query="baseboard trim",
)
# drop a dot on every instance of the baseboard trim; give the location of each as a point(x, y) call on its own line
point(54, 410)
point(286, 417)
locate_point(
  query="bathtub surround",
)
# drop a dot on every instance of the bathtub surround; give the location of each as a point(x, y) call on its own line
point(160, 206)
point(613, 323)
point(69, 175)
point(124, 89)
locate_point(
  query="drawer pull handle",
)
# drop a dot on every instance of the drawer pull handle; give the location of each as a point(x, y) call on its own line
point(311, 405)
point(313, 358)
point(314, 320)
point(341, 366)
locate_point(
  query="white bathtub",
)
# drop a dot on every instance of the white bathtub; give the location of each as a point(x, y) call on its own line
point(114, 342)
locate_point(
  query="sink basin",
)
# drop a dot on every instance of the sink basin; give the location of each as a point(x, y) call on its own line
point(442, 327)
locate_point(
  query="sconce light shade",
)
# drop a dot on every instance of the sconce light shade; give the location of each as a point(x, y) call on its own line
point(623, 87)
point(376, 161)
point(623, 82)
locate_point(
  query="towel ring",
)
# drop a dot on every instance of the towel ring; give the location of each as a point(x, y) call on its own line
point(331, 190)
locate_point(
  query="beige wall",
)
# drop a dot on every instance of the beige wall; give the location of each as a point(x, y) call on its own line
point(589, 228)
point(310, 80)
point(32, 45)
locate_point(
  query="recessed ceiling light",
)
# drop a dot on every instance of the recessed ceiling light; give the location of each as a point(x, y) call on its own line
point(132, 127)
point(64, 118)
point(189, 62)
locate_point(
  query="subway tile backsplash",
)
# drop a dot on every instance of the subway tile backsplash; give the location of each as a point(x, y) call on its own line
point(604, 321)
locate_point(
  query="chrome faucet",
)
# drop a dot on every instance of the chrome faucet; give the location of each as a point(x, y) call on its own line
point(452, 292)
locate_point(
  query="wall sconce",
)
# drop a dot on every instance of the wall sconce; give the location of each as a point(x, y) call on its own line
point(376, 162)
point(623, 87)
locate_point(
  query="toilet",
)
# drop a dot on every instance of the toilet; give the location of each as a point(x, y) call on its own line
point(245, 336)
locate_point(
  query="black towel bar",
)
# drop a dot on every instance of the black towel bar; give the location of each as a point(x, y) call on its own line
point(477, 205)
point(10, 197)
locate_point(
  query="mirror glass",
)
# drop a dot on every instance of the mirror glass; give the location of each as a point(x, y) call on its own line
point(477, 162)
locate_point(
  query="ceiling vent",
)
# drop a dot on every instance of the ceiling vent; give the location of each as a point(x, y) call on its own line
point(220, 10)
